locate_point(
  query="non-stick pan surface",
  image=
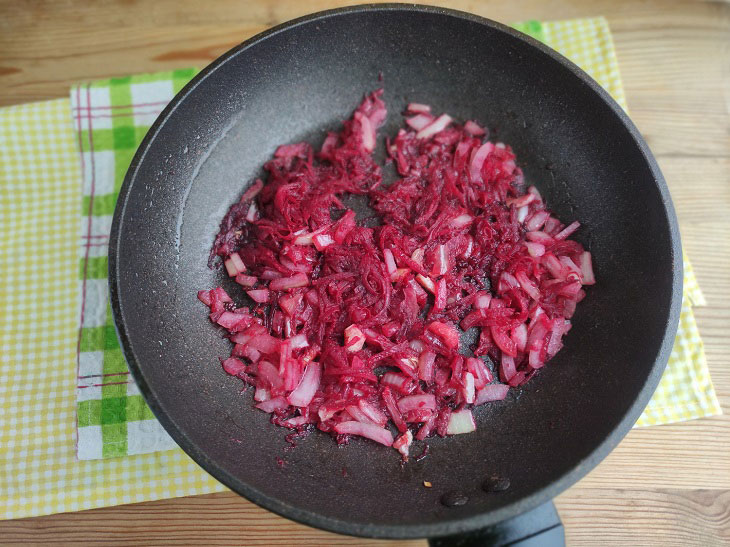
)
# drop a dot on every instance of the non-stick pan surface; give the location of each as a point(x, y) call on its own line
point(300, 79)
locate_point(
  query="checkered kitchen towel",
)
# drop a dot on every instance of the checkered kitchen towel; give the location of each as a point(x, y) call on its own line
point(110, 119)
point(39, 325)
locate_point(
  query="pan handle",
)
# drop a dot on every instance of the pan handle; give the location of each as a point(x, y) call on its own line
point(540, 527)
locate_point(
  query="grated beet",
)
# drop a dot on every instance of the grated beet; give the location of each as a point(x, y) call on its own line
point(352, 326)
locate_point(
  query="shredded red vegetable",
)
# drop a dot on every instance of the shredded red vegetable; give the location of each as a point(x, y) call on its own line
point(350, 327)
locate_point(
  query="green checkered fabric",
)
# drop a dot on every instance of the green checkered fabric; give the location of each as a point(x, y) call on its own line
point(533, 28)
point(110, 118)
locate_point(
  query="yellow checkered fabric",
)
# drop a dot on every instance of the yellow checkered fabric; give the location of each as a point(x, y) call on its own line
point(39, 217)
point(685, 390)
point(39, 226)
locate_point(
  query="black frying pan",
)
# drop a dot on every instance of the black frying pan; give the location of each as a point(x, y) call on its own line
point(292, 83)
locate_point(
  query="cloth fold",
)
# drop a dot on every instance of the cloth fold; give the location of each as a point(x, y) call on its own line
point(55, 367)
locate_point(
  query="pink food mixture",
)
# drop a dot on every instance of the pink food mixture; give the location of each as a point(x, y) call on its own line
point(353, 328)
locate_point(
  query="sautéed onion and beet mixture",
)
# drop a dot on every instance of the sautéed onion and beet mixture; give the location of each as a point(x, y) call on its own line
point(354, 325)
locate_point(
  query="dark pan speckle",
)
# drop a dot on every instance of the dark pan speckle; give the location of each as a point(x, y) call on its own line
point(454, 498)
point(496, 484)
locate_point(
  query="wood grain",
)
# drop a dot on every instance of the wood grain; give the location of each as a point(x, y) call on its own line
point(215, 519)
point(592, 516)
point(667, 485)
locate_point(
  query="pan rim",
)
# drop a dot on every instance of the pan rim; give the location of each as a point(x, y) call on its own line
point(397, 531)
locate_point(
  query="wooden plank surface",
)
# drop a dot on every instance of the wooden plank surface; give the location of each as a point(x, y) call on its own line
point(666, 485)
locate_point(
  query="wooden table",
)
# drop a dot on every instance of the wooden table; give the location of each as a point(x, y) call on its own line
point(665, 485)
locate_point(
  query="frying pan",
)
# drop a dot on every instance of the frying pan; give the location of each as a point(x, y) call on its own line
point(293, 83)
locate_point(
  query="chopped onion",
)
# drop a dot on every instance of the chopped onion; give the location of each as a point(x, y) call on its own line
point(298, 342)
point(566, 232)
point(528, 285)
point(233, 366)
point(204, 297)
point(446, 333)
point(390, 266)
point(252, 212)
point(535, 357)
point(297, 421)
point(477, 161)
point(426, 283)
point(540, 237)
point(420, 121)
point(553, 265)
point(286, 283)
point(521, 201)
point(441, 264)
point(492, 392)
point(421, 295)
point(399, 382)
point(534, 191)
point(229, 320)
point(468, 388)
point(373, 413)
point(552, 226)
point(369, 431)
point(358, 414)
point(307, 387)
point(507, 368)
point(270, 274)
point(462, 220)
point(277, 403)
point(522, 213)
point(461, 422)
point(354, 338)
point(535, 249)
point(474, 129)
point(392, 407)
point(270, 374)
point(425, 365)
point(519, 336)
point(536, 221)
point(403, 443)
point(418, 107)
point(322, 241)
point(259, 295)
point(482, 375)
point(237, 262)
point(230, 267)
point(586, 268)
point(571, 267)
point(434, 127)
point(264, 343)
point(246, 280)
point(367, 131)
point(261, 394)
point(289, 303)
point(417, 402)
point(481, 302)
